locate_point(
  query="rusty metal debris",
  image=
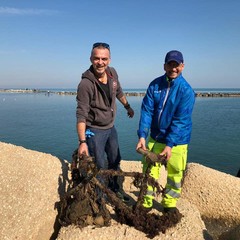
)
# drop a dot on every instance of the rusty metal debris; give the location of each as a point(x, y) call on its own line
point(86, 202)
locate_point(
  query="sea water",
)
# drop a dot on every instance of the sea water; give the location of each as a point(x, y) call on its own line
point(47, 123)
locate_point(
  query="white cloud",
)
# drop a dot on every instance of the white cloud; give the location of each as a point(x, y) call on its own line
point(28, 11)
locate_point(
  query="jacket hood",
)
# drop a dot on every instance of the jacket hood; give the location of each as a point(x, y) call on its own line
point(89, 74)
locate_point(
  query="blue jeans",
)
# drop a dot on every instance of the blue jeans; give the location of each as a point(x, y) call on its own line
point(105, 142)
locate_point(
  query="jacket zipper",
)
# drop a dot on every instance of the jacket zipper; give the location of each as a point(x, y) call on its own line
point(164, 102)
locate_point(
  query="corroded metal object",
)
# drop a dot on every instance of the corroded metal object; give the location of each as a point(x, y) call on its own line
point(85, 203)
point(151, 157)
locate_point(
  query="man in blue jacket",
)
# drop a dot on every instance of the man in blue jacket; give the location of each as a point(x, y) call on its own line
point(166, 115)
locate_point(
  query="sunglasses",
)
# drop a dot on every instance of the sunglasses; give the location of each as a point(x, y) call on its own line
point(98, 44)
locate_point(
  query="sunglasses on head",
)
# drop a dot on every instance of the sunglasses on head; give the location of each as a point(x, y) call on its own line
point(98, 44)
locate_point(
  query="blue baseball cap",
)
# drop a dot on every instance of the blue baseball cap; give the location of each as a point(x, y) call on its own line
point(174, 55)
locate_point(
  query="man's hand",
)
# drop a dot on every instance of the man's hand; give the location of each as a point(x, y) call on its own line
point(141, 144)
point(167, 151)
point(130, 112)
point(83, 149)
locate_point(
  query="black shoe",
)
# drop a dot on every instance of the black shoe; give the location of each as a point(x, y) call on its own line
point(148, 209)
point(121, 196)
point(170, 210)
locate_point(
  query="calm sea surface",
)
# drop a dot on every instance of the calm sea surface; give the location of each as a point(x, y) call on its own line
point(47, 123)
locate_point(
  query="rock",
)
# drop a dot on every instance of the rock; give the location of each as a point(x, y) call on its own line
point(233, 234)
point(30, 184)
point(190, 227)
point(216, 196)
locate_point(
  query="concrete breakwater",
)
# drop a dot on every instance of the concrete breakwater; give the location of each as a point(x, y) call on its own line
point(215, 94)
point(135, 94)
point(142, 94)
point(30, 201)
point(198, 94)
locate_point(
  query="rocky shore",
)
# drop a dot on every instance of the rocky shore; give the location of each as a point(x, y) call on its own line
point(136, 94)
point(31, 184)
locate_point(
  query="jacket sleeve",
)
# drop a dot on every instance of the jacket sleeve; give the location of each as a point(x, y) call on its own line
point(84, 96)
point(181, 124)
point(147, 110)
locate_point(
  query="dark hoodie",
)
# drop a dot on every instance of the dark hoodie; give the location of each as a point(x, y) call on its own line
point(93, 106)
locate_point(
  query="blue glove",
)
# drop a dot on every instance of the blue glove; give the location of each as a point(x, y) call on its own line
point(89, 133)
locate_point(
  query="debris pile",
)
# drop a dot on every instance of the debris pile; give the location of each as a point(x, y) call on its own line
point(86, 202)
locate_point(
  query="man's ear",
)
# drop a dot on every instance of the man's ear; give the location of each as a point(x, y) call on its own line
point(164, 66)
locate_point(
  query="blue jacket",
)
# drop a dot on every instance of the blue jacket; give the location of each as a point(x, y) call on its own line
point(166, 111)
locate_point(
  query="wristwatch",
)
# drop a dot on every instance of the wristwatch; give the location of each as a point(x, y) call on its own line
point(82, 141)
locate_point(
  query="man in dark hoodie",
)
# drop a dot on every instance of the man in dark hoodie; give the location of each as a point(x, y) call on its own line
point(96, 111)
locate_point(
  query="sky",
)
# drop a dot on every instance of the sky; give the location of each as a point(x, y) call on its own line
point(47, 44)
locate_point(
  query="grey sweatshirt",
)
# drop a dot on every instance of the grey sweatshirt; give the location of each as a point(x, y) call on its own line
point(93, 106)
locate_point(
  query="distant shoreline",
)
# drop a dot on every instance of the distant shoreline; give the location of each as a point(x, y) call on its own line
point(132, 93)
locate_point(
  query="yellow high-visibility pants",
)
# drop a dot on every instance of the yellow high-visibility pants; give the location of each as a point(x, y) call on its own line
point(175, 169)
